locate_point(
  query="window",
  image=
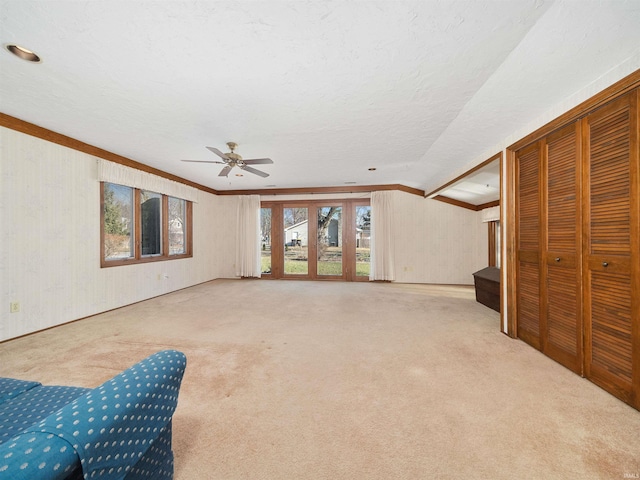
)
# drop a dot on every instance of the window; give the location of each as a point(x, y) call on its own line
point(142, 226)
point(151, 226)
point(329, 240)
point(117, 221)
point(296, 247)
point(363, 240)
point(265, 239)
point(177, 226)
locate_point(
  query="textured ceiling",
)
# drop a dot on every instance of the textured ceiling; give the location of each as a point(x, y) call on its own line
point(476, 188)
point(327, 89)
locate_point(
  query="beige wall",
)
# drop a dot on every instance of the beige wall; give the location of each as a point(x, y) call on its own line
point(50, 237)
point(436, 242)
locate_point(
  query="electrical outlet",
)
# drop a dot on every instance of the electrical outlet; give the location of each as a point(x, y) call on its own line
point(14, 307)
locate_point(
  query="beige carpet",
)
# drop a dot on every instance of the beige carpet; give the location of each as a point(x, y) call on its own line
point(328, 380)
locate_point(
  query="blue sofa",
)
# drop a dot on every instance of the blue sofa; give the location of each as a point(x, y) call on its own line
point(119, 430)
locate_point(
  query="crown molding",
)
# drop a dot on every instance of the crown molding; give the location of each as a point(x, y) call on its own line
point(23, 126)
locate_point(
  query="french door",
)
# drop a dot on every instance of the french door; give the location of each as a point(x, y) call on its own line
point(316, 240)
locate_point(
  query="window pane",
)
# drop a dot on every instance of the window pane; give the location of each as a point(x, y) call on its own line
point(329, 241)
point(177, 226)
point(151, 232)
point(265, 237)
point(363, 240)
point(296, 246)
point(118, 222)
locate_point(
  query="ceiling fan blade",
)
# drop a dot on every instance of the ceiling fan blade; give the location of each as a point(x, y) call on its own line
point(257, 161)
point(253, 170)
point(219, 153)
point(225, 171)
point(202, 161)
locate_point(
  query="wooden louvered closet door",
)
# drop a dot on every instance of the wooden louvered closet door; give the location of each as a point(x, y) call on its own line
point(561, 322)
point(611, 258)
point(549, 244)
point(578, 246)
point(528, 244)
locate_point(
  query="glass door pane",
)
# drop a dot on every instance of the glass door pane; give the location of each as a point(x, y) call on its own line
point(329, 241)
point(363, 240)
point(265, 239)
point(296, 241)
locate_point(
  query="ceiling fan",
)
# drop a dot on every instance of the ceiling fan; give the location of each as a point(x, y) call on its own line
point(231, 159)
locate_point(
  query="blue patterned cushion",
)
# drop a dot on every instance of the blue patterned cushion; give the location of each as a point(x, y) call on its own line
point(10, 387)
point(157, 462)
point(32, 406)
point(110, 428)
point(37, 456)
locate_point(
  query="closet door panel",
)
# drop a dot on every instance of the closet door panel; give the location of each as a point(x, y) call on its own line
point(611, 305)
point(562, 336)
point(528, 238)
point(611, 331)
point(610, 185)
point(562, 342)
point(529, 303)
point(563, 191)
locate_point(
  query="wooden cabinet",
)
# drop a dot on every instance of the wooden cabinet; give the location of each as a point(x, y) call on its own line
point(578, 246)
point(487, 286)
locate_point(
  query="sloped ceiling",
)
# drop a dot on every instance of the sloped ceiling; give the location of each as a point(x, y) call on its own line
point(476, 188)
point(328, 89)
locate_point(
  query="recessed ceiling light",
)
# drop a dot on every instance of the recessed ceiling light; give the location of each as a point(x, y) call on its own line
point(372, 169)
point(23, 53)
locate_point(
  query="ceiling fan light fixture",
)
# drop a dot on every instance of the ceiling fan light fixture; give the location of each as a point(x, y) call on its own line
point(23, 53)
point(231, 160)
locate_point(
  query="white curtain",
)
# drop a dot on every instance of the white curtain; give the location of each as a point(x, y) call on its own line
point(381, 236)
point(491, 214)
point(248, 244)
point(132, 177)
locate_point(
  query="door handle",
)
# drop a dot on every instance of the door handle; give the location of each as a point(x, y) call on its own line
point(557, 259)
point(605, 264)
